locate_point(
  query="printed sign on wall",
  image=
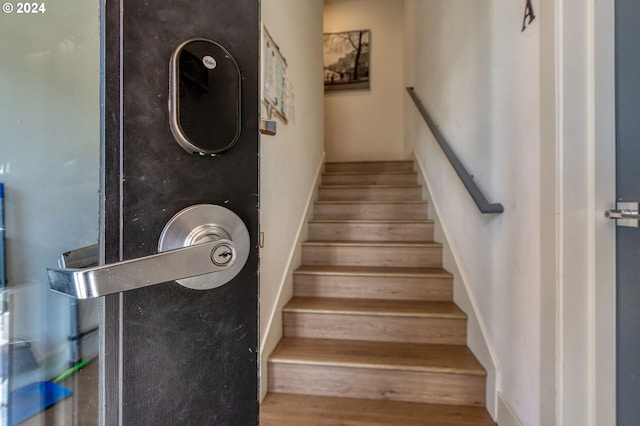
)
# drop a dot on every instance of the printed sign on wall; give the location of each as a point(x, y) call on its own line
point(275, 93)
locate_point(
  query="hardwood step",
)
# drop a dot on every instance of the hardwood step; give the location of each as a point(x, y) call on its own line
point(375, 320)
point(370, 193)
point(370, 210)
point(410, 254)
point(380, 178)
point(440, 374)
point(371, 230)
point(433, 284)
point(369, 166)
point(281, 409)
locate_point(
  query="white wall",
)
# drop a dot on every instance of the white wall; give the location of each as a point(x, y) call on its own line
point(367, 124)
point(478, 76)
point(290, 161)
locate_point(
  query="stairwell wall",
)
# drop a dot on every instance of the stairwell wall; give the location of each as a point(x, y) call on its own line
point(290, 162)
point(478, 76)
point(367, 124)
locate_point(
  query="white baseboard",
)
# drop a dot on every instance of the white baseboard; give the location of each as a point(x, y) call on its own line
point(476, 329)
point(273, 331)
point(506, 415)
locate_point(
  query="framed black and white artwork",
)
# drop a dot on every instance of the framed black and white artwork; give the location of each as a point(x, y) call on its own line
point(347, 60)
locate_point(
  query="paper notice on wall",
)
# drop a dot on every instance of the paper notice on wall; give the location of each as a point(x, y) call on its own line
point(274, 78)
point(289, 101)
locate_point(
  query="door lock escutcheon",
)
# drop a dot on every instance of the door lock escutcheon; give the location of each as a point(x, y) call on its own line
point(201, 247)
point(626, 214)
point(204, 97)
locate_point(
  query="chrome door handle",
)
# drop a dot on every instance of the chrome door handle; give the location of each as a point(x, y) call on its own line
point(145, 271)
point(201, 247)
point(625, 214)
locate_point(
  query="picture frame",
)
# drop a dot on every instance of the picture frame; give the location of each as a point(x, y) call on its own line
point(346, 57)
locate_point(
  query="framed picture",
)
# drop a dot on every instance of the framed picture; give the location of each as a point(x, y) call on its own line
point(346, 60)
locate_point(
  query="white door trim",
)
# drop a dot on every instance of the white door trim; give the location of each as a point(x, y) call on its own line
point(578, 152)
point(604, 319)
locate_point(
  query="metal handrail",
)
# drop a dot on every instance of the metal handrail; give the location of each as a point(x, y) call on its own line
point(479, 198)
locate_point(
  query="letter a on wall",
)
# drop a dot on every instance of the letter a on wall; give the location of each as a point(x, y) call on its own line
point(528, 13)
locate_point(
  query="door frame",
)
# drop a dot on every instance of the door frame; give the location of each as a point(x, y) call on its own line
point(578, 326)
point(603, 320)
point(111, 248)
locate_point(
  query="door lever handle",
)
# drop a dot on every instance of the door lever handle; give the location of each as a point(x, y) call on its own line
point(201, 247)
point(622, 214)
point(625, 214)
point(170, 265)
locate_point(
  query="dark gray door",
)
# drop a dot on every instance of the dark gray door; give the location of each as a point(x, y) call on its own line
point(173, 355)
point(628, 189)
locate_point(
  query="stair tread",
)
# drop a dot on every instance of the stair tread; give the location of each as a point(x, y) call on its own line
point(279, 409)
point(371, 202)
point(356, 243)
point(385, 186)
point(372, 173)
point(376, 307)
point(371, 162)
point(374, 221)
point(372, 271)
point(370, 166)
point(450, 359)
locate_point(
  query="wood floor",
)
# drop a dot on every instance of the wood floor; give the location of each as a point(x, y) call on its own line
point(372, 336)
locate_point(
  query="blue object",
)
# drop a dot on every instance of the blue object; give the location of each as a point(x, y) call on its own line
point(31, 399)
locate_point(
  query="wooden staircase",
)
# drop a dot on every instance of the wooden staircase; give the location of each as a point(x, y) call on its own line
point(372, 336)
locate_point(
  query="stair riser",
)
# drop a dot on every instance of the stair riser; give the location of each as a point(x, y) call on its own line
point(276, 410)
point(370, 211)
point(370, 179)
point(371, 232)
point(395, 385)
point(373, 287)
point(369, 167)
point(444, 331)
point(405, 257)
point(369, 194)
